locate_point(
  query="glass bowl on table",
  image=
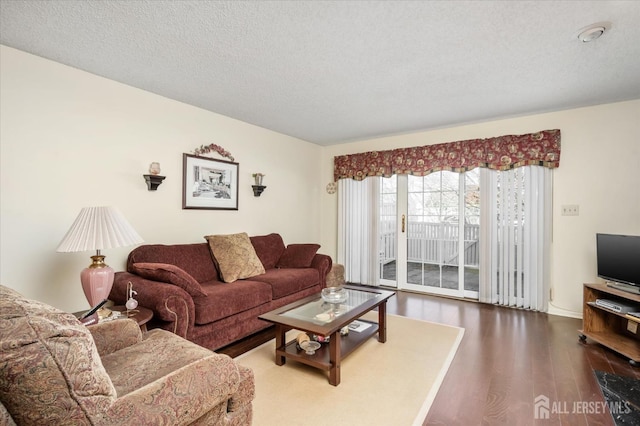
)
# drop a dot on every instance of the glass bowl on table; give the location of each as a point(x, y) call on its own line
point(335, 295)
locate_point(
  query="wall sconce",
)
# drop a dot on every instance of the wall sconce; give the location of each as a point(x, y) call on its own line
point(258, 187)
point(154, 179)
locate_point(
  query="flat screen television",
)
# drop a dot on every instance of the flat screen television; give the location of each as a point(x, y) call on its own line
point(618, 259)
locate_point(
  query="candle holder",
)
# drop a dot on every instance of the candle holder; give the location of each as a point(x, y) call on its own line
point(153, 181)
point(257, 190)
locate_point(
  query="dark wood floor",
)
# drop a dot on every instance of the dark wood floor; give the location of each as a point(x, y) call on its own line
point(506, 359)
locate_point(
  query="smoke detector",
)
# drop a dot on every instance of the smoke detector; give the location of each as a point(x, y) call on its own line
point(593, 31)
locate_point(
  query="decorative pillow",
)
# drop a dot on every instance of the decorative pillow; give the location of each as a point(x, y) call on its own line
point(269, 248)
point(168, 273)
point(298, 256)
point(235, 256)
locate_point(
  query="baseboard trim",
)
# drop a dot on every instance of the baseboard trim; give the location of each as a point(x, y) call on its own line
point(554, 310)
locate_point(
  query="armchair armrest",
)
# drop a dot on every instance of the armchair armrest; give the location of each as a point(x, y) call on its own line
point(111, 336)
point(173, 308)
point(184, 395)
point(322, 263)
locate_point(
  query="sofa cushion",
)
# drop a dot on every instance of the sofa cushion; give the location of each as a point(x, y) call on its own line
point(167, 273)
point(235, 256)
point(298, 256)
point(269, 248)
point(51, 369)
point(194, 259)
point(287, 281)
point(224, 300)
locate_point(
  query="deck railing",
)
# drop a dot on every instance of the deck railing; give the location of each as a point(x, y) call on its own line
point(435, 243)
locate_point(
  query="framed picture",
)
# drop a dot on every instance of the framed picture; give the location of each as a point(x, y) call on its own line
point(209, 184)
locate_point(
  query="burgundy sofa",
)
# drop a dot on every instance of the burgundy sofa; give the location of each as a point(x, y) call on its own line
point(189, 298)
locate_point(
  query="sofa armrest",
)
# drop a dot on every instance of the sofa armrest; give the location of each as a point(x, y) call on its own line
point(111, 336)
point(173, 308)
point(322, 263)
point(184, 395)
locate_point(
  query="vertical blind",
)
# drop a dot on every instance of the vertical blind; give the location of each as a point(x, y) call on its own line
point(515, 235)
point(358, 229)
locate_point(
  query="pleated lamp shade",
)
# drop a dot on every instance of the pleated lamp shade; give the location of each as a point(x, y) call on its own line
point(98, 228)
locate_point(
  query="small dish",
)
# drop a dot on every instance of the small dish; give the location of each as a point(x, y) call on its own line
point(323, 317)
point(309, 347)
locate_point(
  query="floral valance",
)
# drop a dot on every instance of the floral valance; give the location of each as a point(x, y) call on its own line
point(499, 153)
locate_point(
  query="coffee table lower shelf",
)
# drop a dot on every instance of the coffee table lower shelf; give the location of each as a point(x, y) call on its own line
point(322, 358)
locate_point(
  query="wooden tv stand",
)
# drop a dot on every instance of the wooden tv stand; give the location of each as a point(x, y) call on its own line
point(610, 328)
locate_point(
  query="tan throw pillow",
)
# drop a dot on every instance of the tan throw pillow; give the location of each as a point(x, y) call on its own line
point(235, 256)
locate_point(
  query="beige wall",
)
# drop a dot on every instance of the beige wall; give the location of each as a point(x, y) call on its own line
point(70, 139)
point(599, 171)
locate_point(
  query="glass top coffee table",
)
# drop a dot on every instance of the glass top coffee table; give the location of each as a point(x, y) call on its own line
point(314, 316)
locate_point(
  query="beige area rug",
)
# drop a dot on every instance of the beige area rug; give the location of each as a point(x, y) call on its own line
point(381, 384)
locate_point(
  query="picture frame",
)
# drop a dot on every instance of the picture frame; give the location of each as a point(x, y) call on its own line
point(209, 184)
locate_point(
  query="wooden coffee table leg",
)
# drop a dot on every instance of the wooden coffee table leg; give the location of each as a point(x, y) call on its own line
point(382, 322)
point(334, 358)
point(280, 343)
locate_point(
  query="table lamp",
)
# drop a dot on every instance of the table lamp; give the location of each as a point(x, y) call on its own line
point(98, 228)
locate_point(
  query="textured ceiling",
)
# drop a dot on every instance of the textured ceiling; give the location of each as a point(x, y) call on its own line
point(331, 72)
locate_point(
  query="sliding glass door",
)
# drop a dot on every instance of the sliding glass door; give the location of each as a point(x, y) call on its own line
point(429, 232)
